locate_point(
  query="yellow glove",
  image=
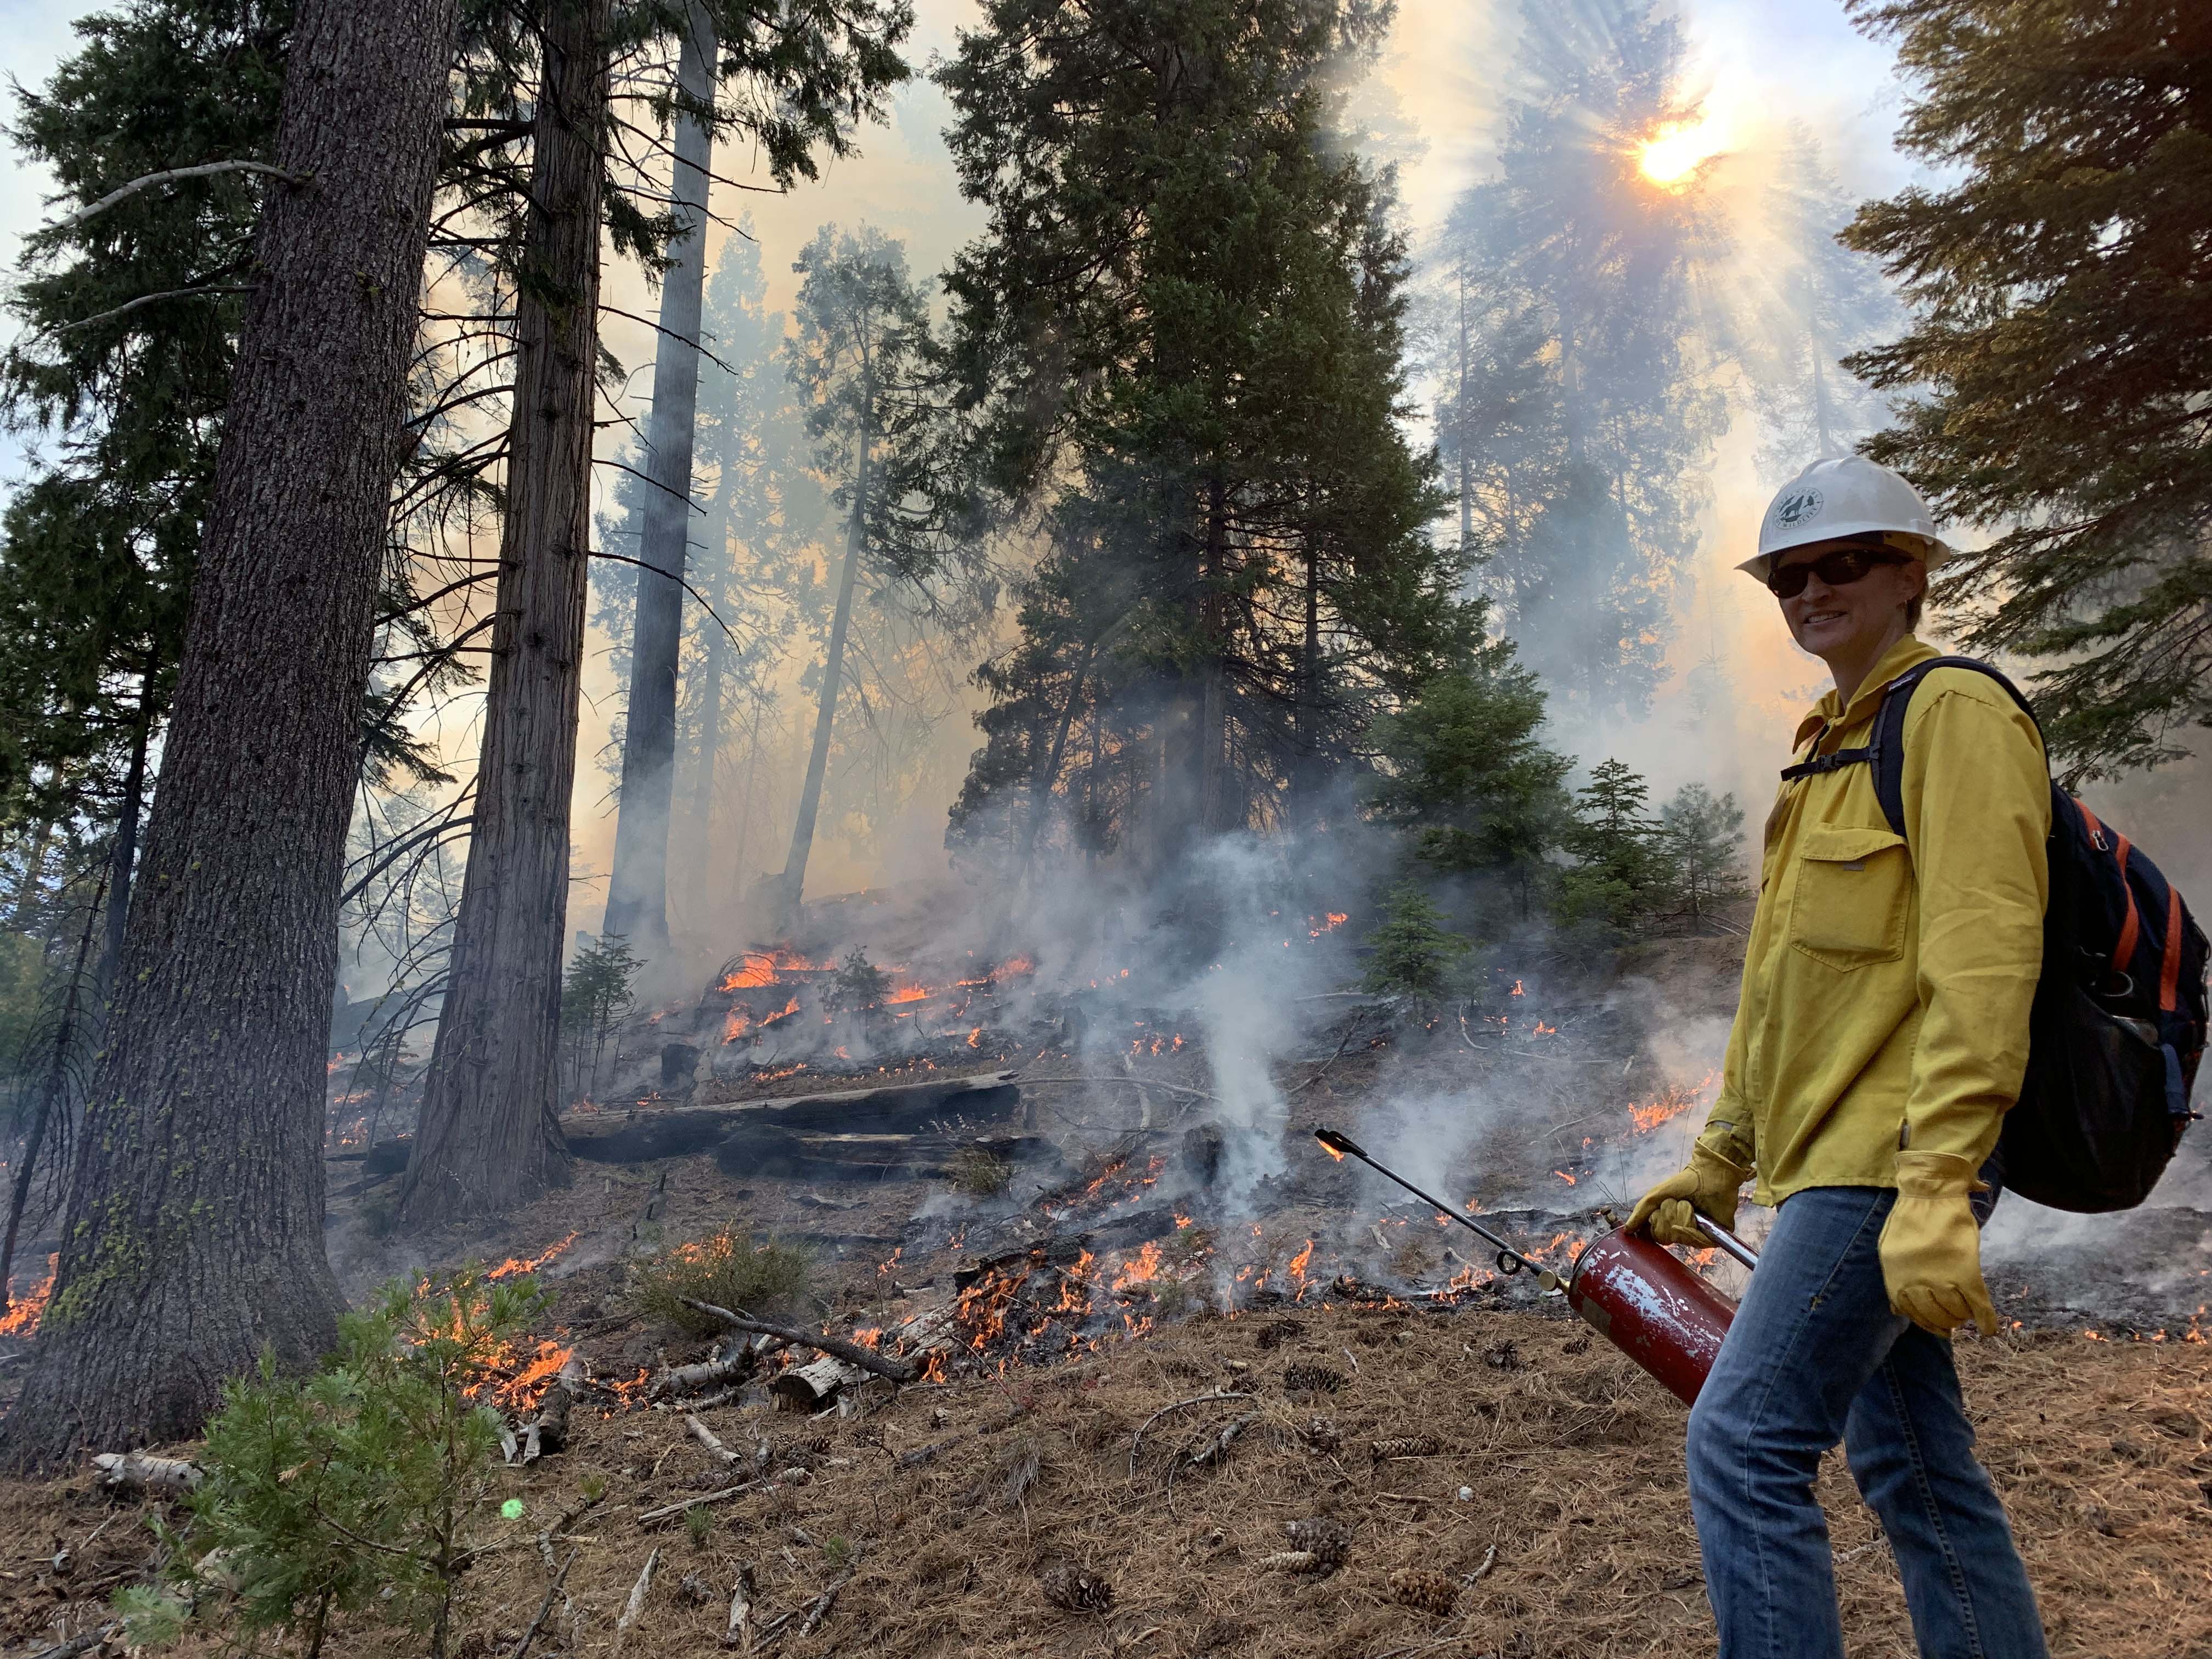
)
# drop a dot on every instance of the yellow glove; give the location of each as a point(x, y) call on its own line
point(1931, 1250)
point(1710, 1184)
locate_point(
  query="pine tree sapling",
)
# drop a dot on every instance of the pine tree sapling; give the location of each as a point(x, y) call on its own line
point(1464, 770)
point(1620, 883)
point(370, 1485)
point(1703, 838)
point(1413, 952)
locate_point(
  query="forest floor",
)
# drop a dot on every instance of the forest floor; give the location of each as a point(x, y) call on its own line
point(1534, 1507)
point(1529, 1499)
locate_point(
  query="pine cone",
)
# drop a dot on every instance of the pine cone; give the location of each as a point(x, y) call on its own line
point(1307, 1378)
point(1414, 1445)
point(1321, 1434)
point(1076, 1589)
point(1326, 1539)
point(1432, 1592)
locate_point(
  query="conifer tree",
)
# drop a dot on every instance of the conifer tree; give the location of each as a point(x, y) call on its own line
point(2056, 376)
point(489, 1135)
point(1620, 882)
point(863, 363)
point(1466, 773)
point(1703, 839)
point(1582, 409)
point(1183, 330)
point(192, 1241)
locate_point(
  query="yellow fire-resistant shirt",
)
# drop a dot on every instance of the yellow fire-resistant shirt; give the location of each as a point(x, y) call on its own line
point(1887, 978)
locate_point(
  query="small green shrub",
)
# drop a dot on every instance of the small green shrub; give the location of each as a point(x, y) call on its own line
point(728, 1268)
point(698, 1525)
point(981, 1173)
point(368, 1486)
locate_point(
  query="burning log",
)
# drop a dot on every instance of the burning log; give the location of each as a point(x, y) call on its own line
point(121, 1470)
point(866, 1359)
point(640, 1136)
point(548, 1431)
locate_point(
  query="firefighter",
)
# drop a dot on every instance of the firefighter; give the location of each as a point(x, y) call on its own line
point(1880, 1034)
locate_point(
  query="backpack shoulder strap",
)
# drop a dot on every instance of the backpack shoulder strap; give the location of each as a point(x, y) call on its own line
point(1885, 751)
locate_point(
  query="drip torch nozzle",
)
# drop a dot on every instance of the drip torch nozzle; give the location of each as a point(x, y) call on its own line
point(1509, 1260)
point(1339, 1144)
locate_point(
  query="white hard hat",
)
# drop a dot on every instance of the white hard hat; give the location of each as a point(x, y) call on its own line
point(1853, 496)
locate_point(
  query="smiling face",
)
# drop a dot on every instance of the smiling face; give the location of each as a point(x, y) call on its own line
point(1850, 625)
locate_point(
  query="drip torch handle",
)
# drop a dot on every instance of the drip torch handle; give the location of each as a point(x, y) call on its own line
point(1726, 1240)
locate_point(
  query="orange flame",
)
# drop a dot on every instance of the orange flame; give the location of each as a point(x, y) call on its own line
point(24, 1312)
point(512, 1265)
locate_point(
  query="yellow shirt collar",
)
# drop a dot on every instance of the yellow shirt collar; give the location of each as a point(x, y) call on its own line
point(1829, 711)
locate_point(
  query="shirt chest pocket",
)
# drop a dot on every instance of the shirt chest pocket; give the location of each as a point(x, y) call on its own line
point(1853, 888)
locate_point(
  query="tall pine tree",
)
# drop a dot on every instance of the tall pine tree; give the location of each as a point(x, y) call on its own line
point(1182, 329)
point(1581, 409)
point(2057, 372)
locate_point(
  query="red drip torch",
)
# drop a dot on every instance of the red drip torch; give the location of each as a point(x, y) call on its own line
point(1632, 1292)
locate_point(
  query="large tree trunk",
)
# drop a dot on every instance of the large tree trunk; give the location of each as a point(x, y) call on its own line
point(794, 883)
point(123, 855)
point(488, 1138)
point(194, 1240)
point(637, 890)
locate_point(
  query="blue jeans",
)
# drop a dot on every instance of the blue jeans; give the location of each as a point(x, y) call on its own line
point(1814, 1356)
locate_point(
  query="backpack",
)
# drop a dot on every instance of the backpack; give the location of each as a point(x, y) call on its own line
point(2118, 1021)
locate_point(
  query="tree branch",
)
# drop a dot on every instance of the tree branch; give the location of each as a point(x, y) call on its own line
point(204, 170)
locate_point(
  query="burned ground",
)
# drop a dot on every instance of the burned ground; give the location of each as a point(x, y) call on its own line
point(1191, 1388)
point(956, 1509)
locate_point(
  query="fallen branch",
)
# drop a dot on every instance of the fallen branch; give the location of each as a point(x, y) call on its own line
point(682, 1504)
point(83, 1642)
point(851, 1352)
point(636, 1605)
point(1333, 1059)
point(707, 1438)
point(1179, 1405)
point(545, 1605)
point(741, 1610)
point(1489, 1560)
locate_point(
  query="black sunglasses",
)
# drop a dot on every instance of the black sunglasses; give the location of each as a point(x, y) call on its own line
point(1839, 569)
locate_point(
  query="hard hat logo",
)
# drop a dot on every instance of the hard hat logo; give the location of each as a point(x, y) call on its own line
point(1796, 506)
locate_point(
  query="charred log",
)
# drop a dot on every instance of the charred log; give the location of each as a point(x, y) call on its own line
point(637, 1137)
point(792, 1157)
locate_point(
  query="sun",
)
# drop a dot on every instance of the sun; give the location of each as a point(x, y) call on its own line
point(1671, 157)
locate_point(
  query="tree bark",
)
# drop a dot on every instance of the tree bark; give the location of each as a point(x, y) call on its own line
point(488, 1138)
point(817, 760)
point(1048, 774)
point(123, 856)
point(193, 1239)
point(637, 889)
